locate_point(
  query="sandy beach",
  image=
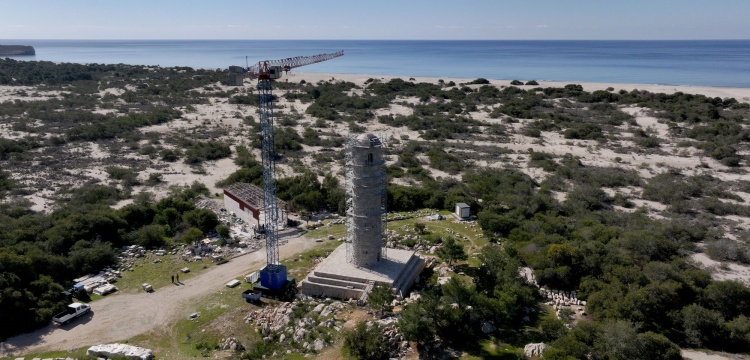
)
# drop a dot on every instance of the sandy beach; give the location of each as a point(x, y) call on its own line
point(740, 94)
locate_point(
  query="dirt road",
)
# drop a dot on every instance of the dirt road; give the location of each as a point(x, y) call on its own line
point(119, 317)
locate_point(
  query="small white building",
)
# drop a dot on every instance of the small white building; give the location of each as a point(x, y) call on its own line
point(463, 211)
point(246, 202)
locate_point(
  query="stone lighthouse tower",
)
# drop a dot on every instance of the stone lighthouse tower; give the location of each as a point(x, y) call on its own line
point(366, 200)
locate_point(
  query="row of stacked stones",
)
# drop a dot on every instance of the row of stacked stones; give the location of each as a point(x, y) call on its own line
point(561, 299)
point(457, 234)
point(278, 321)
point(534, 349)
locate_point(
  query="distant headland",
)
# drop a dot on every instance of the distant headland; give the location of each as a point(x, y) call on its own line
point(16, 50)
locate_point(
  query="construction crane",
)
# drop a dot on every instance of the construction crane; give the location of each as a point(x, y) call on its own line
point(273, 275)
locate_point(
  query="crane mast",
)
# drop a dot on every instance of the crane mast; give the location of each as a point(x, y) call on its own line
point(273, 275)
point(271, 216)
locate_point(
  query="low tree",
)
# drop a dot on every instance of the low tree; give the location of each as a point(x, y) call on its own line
point(419, 227)
point(203, 219)
point(223, 231)
point(150, 235)
point(192, 235)
point(366, 342)
point(305, 214)
point(451, 251)
point(380, 298)
point(419, 320)
point(702, 326)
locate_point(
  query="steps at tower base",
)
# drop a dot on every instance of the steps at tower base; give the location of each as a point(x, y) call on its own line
point(335, 277)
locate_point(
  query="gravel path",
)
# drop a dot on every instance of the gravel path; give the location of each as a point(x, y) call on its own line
point(119, 317)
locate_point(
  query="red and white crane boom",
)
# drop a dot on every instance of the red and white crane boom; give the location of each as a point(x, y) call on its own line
point(273, 68)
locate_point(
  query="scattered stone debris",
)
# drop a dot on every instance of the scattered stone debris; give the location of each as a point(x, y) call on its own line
point(231, 344)
point(128, 351)
point(396, 342)
point(295, 322)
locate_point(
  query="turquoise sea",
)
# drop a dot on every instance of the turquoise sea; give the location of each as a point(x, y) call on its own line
point(705, 63)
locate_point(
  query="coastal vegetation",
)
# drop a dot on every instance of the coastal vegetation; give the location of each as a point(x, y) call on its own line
point(622, 227)
point(41, 253)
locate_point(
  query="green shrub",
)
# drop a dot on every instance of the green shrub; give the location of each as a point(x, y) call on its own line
point(584, 132)
point(479, 81)
point(366, 342)
point(200, 151)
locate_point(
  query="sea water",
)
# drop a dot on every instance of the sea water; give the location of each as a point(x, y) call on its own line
point(724, 63)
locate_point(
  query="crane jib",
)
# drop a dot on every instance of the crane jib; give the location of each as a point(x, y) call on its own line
point(262, 67)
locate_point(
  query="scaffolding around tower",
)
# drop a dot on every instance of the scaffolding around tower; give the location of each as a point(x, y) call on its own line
point(366, 200)
point(353, 269)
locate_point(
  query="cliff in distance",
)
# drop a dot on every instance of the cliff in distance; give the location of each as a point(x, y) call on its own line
point(6, 50)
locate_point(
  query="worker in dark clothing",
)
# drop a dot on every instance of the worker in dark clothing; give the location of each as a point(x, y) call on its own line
point(172, 279)
point(178, 278)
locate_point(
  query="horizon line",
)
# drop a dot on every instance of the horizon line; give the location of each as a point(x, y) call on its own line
point(218, 39)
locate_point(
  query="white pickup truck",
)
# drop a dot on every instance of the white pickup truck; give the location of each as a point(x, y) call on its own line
point(73, 311)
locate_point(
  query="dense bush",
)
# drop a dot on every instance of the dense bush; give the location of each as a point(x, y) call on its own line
point(584, 132)
point(200, 151)
point(479, 81)
point(441, 160)
point(305, 192)
point(41, 254)
point(108, 127)
point(572, 169)
point(366, 342)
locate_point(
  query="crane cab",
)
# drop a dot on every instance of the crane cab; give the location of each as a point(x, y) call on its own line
point(274, 72)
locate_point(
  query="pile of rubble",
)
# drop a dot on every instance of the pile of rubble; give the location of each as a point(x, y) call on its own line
point(398, 345)
point(205, 202)
point(281, 323)
point(559, 300)
point(395, 241)
point(231, 344)
point(126, 351)
point(130, 254)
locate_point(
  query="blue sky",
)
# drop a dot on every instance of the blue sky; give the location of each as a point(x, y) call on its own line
point(376, 19)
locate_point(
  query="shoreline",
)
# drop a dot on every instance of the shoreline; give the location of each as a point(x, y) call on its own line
point(740, 94)
point(720, 91)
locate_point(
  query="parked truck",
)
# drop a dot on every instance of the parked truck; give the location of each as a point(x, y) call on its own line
point(73, 311)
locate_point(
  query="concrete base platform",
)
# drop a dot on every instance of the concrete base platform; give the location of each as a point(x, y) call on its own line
point(335, 277)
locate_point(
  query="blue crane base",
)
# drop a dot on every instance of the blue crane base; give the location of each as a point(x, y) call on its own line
point(273, 276)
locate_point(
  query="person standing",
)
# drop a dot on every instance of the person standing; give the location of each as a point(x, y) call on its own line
point(172, 279)
point(178, 278)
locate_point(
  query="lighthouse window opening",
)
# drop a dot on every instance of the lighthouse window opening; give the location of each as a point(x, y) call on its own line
point(369, 159)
